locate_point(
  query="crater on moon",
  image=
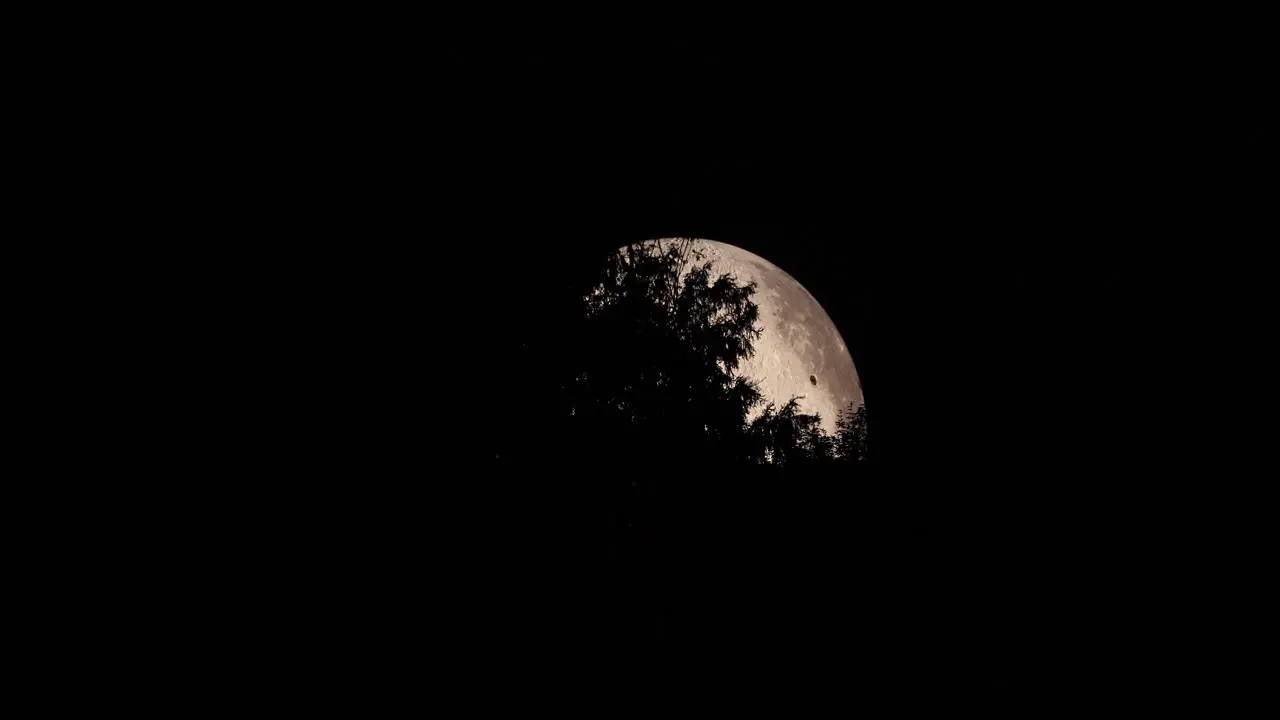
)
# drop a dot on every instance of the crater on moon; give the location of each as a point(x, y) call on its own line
point(798, 342)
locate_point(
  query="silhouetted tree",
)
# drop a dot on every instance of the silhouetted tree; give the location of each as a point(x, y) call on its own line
point(850, 441)
point(788, 437)
point(661, 345)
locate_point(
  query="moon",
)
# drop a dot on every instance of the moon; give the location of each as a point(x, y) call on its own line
point(799, 351)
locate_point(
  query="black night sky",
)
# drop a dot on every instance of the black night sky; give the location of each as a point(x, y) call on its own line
point(984, 228)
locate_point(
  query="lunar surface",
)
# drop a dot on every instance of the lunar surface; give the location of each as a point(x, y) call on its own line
point(799, 351)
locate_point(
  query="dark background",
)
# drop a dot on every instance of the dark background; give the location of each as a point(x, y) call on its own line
point(995, 233)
